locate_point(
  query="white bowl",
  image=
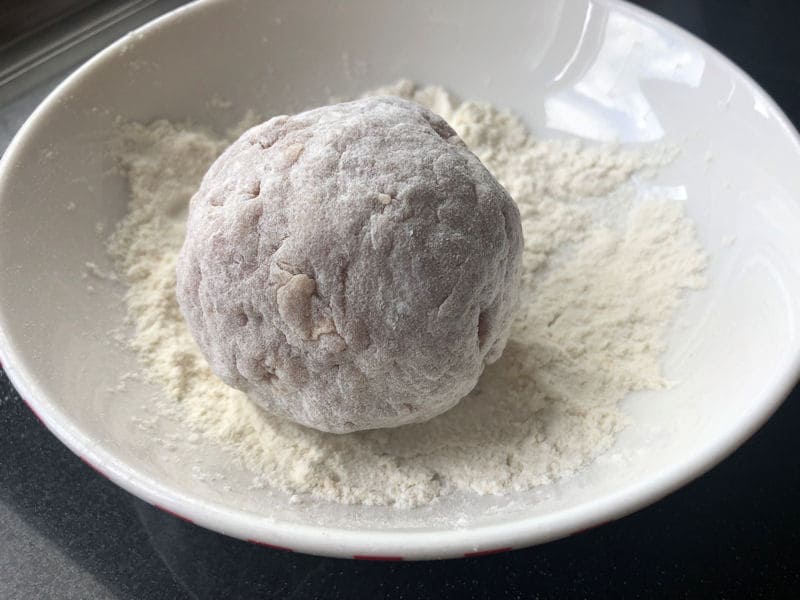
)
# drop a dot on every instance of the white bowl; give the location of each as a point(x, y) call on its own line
point(599, 70)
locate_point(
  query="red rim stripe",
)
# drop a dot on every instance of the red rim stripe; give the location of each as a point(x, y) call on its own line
point(174, 514)
point(33, 410)
point(487, 552)
point(272, 546)
point(585, 529)
point(92, 467)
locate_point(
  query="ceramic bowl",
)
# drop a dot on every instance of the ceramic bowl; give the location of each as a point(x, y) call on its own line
point(598, 70)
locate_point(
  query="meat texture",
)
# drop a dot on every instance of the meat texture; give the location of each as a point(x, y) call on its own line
point(351, 267)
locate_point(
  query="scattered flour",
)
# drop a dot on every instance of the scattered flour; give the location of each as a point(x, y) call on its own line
point(605, 266)
point(91, 269)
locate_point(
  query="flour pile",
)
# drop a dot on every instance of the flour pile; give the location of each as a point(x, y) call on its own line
point(604, 268)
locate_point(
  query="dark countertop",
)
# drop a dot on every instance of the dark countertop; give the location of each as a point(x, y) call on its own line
point(735, 532)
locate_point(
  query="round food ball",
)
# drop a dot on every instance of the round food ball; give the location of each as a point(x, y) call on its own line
point(351, 267)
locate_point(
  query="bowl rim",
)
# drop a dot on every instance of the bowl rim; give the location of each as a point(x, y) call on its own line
point(379, 544)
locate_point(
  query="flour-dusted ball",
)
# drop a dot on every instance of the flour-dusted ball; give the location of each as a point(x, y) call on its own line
point(351, 267)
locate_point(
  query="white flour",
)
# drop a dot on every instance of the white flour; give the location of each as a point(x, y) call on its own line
point(604, 270)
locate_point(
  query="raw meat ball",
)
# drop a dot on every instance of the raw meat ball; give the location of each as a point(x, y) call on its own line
point(351, 267)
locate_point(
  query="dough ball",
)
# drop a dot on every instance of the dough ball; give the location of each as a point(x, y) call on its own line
point(351, 267)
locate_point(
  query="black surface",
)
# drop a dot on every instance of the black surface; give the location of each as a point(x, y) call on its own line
point(735, 532)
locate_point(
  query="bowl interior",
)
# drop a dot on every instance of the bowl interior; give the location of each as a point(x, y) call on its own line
point(599, 71)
